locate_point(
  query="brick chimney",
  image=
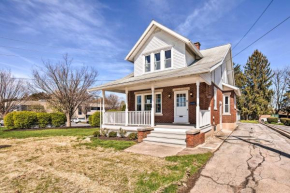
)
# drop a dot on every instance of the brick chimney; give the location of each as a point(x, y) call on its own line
point(197, 45)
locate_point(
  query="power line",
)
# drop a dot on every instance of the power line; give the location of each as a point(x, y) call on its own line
point(253, 24)
point(48, 79)
point(263, 35)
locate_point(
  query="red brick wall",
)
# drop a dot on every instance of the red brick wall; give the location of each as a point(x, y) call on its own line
point(233, 117)
point(168, 103)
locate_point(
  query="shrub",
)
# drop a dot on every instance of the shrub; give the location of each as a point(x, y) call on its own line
point(283, 120)
point(9, 120)
point(97, 133)
point(272, 120)
point(104, 132)
point(122, 132)
point(287, 122)
point(113, 134)
point(43, 119)
point(133, 136)
point(24, 119)
point(94, 119)
point(57, 119)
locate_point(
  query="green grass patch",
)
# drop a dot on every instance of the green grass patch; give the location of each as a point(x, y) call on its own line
point(249, 121)
point(275, 123)
point(117, 145)
point(80, 132)
point(183, 164)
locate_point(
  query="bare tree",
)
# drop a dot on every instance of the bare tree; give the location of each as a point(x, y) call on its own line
point(12, 92)
point(279, 86)
point(113, 101)
point(66, 86)
point(86, 107)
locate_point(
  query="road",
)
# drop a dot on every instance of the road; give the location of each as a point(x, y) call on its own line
point(253, 159)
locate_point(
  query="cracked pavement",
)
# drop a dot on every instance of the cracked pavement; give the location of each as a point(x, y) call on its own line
point(252, 159)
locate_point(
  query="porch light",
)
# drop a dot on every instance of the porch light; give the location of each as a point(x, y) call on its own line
point(169, 96)
point(191, 94)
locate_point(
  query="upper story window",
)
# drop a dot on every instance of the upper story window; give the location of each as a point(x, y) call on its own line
point(157, 61)
point(167, 60)
point(147, 63)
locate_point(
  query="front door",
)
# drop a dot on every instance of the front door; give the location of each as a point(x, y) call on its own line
point(181, 107)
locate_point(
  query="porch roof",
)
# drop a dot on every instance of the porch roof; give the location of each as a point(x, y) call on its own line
point(213, 57)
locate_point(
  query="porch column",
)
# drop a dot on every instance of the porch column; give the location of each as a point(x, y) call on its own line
point(104, 96)
point(153, 106)
point(126, 111)
point(197, 105)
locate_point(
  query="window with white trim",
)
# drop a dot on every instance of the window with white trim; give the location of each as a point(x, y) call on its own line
point(157, 61)
point(139, 103)
point(215, 98)
point(226, 103)
point(167, 60)
point(147, 63)
point(235, 101)
point(147, 102)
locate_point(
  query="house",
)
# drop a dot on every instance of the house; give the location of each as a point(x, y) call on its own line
point(83, 112)
point(178, 92)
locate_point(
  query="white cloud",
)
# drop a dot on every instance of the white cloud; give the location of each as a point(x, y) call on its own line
point(203, 16)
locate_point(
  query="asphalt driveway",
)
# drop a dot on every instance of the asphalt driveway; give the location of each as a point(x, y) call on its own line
point(253, 159)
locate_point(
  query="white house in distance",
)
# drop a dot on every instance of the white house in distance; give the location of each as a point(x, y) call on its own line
point(177, 90)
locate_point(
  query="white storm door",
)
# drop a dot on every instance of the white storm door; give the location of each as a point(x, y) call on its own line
point(181, 107)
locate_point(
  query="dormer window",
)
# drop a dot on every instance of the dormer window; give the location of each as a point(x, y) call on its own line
point(157, 61)
point(167, 60)
point(147, 63)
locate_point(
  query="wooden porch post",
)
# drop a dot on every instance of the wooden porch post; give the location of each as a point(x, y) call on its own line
point(153, 106)
point(104, 96)
point(197, 105)
point(126, 111)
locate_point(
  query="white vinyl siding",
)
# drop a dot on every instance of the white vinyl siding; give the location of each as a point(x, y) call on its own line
point(159, 42)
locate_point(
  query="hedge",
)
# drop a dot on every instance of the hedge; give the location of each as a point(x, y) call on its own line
point(287, 122)
point(272, 120)
point(43, 119)
point(94, 119)
point(9, 120)
point(283, 120)
point(25, 119)
point(57, 119)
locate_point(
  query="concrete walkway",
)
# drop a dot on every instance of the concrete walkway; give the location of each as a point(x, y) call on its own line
point(253, 159)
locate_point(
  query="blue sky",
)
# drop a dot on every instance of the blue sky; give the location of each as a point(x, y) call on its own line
point(101, 33)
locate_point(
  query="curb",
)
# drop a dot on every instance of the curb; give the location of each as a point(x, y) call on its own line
point(282, 132)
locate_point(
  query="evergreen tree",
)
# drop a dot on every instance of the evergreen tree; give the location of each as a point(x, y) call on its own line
point(257, 85)
point(240, 83)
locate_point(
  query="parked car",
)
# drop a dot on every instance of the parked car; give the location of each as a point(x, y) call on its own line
point(80, 120)
point(1, 122)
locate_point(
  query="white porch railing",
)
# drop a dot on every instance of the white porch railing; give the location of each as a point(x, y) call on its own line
point(134, 118)
point(204, 117)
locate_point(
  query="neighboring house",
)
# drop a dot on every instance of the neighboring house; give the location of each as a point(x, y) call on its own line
point(175, 87)
point(43, 106)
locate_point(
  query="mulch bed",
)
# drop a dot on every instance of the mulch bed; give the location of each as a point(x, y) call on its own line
point(116, 138)
point(35, 129)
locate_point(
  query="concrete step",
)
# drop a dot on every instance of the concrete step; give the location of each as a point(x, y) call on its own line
point(170, 131)
point(165, 140)
point(167, 135)
point(205, 128)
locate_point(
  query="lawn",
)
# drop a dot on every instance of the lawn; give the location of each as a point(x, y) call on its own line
point(71, 164)
point(46, 133)
point(249, 121)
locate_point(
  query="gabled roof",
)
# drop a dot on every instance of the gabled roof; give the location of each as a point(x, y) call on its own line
point(149, 30)
point(211, 58)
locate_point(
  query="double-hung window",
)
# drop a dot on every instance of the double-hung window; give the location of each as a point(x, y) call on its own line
point(215, 98)
point(167, 60)
point(139, 103)
point(147, 63)
point(158, 103)
point(226, 104)
point(157, 61)
point(148, 102)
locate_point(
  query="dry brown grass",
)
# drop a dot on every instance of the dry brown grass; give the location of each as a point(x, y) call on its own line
point(58, 164)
